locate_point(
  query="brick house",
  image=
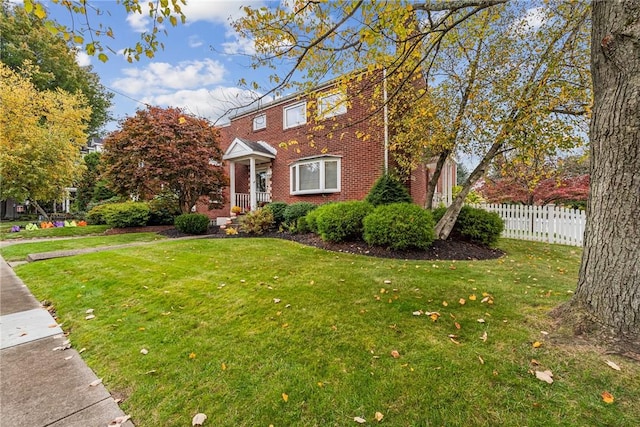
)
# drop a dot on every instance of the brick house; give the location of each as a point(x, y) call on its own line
point(316, 148)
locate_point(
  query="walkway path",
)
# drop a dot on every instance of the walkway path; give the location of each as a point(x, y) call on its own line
point(40, 386)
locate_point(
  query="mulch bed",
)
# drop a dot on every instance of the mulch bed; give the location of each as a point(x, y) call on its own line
point(451, 249)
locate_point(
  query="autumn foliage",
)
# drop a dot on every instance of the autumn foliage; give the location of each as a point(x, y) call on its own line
point(160, 149)
point(550, 190)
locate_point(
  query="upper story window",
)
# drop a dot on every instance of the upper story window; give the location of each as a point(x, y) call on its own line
point(295, 115)
point(332, 104)
point(260, 122)
point(313, 176)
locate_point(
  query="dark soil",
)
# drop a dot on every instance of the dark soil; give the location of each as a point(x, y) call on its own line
point(440, 250)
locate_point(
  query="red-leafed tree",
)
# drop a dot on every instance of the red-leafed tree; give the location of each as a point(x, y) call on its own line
point(164, 148)
point(550, 190)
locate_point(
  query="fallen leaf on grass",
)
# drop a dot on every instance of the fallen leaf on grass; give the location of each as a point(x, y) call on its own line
point(223, 367)
point(483, 337)
point(472, 297)
point(378, 416)
point(192, 355)
point(607, 397)
point(90, 311)
point(395, 354)
point(537, 344)
point(198, 419)
point(462, 301)
point(118, 421)
point(417, 313)
point(481, 321)
point(612, 365)
point(454, 341)
point(95, 382)
point(546, 376)
point(276, 300)
point(457, 325)
point(144, 351)
point(285, 397)
point(89, 317)
point(359, 420)
point(444, 303)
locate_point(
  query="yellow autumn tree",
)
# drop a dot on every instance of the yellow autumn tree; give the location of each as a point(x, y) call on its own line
point(42, 133)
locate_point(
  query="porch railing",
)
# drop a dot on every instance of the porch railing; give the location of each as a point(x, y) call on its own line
point(244, 200)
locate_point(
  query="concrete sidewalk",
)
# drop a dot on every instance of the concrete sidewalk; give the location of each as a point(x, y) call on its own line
point(40, 386)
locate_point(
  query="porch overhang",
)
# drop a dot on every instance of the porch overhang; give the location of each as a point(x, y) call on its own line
point(241, 151)
point(249, 153)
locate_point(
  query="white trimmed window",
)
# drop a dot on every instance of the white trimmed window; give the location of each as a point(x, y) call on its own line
point(313, 176)
point(332, 104)
point(260, 122)
point(294, 115)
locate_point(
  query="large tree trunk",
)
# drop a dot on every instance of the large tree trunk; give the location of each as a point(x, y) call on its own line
point(609, 282)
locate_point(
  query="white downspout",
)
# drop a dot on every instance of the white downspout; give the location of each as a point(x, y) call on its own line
point(232, 183)
point(386, 121)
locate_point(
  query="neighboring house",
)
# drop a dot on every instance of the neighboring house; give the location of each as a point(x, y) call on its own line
point(279, 153)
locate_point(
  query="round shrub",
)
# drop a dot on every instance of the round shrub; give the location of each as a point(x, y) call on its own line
point(399, 226)
point(475, 225)
point(192, 223)
point(296, 210)
point(479, 225)
point(311, 218)
point(387, 190)
point(339, 222)
point(277, 209)
point(96, 215)
point(257, 222)
point(127, 214)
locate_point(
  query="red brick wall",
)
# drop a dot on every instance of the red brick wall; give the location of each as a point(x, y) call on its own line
point(362, 162)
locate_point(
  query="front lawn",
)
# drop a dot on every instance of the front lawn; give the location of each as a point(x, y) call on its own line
point(19, 250)
point(259, 332)
point(5, 234)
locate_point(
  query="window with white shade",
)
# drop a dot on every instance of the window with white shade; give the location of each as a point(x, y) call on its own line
point(260, 122)
point(312, 176)
point(332, 104)
point(295, 115)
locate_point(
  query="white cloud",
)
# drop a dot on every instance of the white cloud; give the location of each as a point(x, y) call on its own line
point(139, 22)
point(195, 41)
point(162, 77)
point(212, 104)
point(239, 46)
point(82, 59)
point(216, 11)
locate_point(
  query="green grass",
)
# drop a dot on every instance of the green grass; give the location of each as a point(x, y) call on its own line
point(218, 342)
point(20, 250)
point(54, 232)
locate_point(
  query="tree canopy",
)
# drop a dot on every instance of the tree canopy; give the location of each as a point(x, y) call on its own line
point(42, 133)
point(164, 148)
point(26, 40)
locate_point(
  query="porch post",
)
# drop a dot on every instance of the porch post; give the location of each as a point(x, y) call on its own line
point(253, 199)
point(232, 184)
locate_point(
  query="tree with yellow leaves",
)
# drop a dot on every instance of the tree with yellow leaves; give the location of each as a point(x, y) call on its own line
point(42, 133)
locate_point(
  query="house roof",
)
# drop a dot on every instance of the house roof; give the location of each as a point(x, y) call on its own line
point(242, 149)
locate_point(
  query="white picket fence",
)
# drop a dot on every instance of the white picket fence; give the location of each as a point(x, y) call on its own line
point(549, 223)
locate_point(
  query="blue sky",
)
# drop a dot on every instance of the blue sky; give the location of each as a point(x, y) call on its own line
point(198, 70)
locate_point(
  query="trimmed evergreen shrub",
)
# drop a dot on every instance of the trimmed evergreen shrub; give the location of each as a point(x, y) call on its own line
point(479, 225)
point(387, 190)
point(257, 222)
point(127, 214)
point(277, 209)
point(399, 226)
point(95, 216)
point(296, 210)
point(192, 223)
point(312, 217)
point(339, 222)
point(475, 225)
point(302, 226)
